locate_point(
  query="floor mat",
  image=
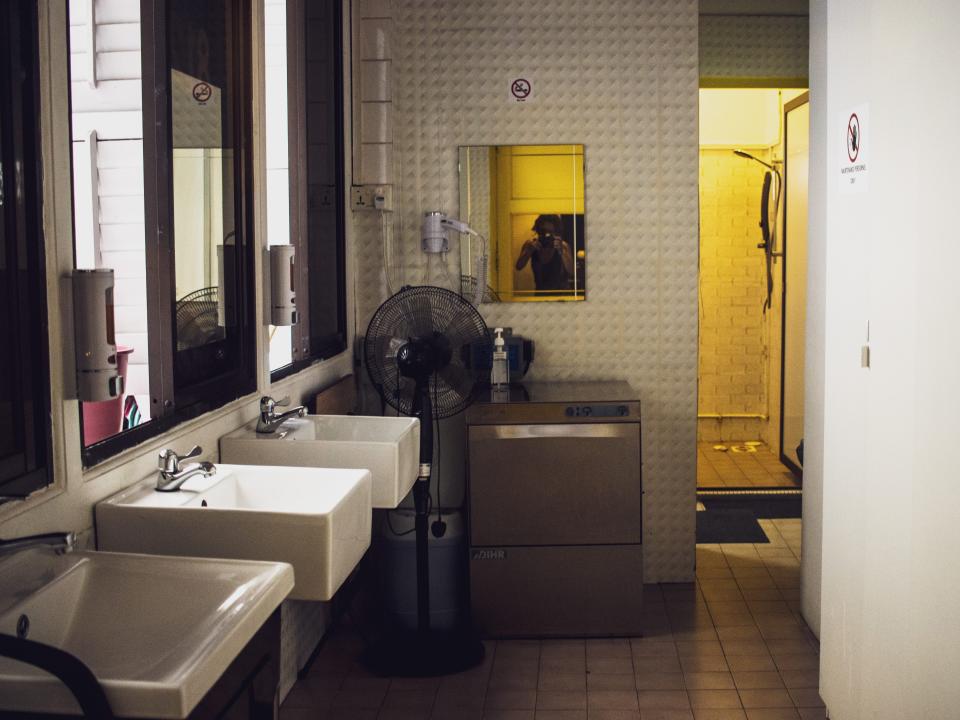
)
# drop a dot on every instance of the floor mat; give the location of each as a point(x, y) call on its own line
point(733, 525)
point(760, 504)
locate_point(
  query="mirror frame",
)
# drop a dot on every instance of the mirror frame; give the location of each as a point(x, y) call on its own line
point(534, 206)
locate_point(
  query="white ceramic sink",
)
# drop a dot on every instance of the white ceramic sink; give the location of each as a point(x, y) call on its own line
point(157, 632)
point(388, 447)
point(316, 519)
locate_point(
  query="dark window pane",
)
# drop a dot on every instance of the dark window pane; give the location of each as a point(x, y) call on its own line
point(24, 384)
point(325, 221)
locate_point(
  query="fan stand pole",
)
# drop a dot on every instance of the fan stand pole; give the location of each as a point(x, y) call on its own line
point(424, 653)
point(423, 410)
point(421, 491)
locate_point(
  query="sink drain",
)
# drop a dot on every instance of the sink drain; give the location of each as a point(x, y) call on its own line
point(23, 626)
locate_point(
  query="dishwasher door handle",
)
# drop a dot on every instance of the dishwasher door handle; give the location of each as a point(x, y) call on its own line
point(555, 430)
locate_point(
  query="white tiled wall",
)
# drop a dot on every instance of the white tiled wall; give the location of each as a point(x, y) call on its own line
point(734, 330)
point(621, 78)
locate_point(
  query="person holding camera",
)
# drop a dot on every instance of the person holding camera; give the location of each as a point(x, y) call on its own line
point(549, 255)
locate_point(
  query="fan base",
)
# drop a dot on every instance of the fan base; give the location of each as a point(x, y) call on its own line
point(428, 654)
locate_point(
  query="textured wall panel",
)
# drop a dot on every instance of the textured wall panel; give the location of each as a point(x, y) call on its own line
point(475, 185)
point(621, 77)
point(754, 46)
point(302, 626)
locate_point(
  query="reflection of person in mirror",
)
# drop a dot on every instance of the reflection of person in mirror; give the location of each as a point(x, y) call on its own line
point(549, 255)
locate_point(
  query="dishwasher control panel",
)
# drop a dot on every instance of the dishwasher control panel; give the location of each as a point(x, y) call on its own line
point(559, 402)
point(597, 411)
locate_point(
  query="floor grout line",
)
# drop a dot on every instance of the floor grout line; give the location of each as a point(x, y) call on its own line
point(681, 612)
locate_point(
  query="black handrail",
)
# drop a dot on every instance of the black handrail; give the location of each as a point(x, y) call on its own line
point(69, 670)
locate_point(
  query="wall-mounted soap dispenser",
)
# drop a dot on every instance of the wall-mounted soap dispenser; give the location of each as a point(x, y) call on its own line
point(283, 297)
point(98, 375)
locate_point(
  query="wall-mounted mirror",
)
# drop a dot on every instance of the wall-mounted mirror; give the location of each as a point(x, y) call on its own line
point(202, 199)
point(528, 201)
point(206, 142)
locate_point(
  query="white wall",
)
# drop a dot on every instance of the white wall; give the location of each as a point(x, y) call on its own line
point(810, 562)
point(278, 180)
point(890, 626)
point(741, 117)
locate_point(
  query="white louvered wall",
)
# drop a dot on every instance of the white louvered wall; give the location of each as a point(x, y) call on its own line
point(108, 196)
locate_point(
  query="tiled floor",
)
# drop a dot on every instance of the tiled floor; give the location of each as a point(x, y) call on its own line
point(729, 647)
point(742, 466)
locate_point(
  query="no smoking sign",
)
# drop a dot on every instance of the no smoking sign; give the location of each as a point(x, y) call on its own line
point(521, 89)
point(853, 137)
point(853, 155)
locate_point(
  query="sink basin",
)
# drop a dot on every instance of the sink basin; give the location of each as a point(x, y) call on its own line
point(316, 519)
point(389, 447)
point(157, 632)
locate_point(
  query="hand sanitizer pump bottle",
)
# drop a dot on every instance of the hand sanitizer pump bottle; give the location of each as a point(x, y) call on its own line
point(500, 370)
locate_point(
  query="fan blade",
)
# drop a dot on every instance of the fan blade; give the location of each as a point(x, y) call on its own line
point(462, 331)
point(457, 378)
point(403, 395)
point(417, 314)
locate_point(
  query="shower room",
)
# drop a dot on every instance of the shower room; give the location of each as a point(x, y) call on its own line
point(753, 217)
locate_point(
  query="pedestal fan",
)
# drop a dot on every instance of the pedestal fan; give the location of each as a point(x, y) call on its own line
point(416, 350)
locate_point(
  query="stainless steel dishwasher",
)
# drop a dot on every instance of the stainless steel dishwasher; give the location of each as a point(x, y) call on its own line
point(555, 511)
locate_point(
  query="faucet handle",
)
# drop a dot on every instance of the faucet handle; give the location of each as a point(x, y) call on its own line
point(169, 461)
point(194, 452)
point(268, 404)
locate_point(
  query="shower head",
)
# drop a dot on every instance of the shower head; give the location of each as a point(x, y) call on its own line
point(748, 156)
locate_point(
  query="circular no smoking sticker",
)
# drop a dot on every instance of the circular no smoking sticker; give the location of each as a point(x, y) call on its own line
point(520, 89)
point(853, 137)
point(202, 92)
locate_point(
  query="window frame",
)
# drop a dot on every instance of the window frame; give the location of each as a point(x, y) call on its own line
point(307, 348)
point(22, 214)
point(171, 404)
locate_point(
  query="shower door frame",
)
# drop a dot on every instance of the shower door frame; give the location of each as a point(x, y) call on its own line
point(797, 102)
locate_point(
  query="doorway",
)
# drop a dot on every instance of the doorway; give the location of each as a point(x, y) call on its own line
point(753, 185)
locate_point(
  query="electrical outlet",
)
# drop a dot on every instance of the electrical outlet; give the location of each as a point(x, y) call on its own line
point(371, 197)
point(359, 200)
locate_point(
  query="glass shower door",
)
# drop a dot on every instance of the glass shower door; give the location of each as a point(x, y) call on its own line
point(797, 141)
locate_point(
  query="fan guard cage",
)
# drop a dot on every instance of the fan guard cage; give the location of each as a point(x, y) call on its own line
point(197, 318)
point(423, 312)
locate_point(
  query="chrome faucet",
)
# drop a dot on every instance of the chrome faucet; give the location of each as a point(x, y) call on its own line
point(172, 475)
point(59, 542)
point(269, 420)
